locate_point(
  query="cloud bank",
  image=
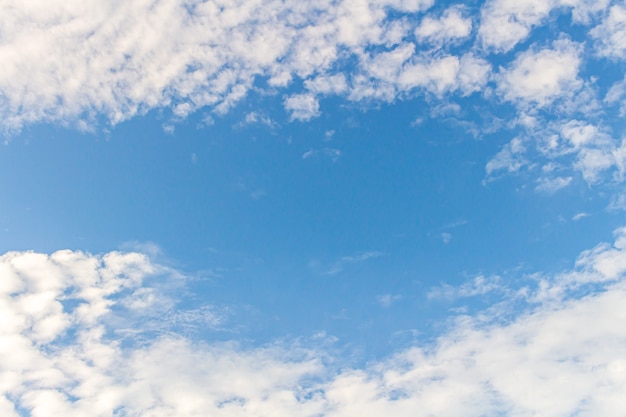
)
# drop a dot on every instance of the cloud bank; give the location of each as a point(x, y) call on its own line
point(542, 349)
point(91, 63)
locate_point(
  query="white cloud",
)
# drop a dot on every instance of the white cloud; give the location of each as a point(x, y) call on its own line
point(302, 106)
point(552, 185)
point(561, 354)
point(358, 258)
point(580, 134)
point(450, 26)
point(504, 23)
point(578, 146)
point(118, 60)
point(616, 95)
point(327, 84)
point(331, 153)
point(580, 216)
point(610, 35)
point(480, 285)
point(540, 77)
point(386, 300)
point(510, 158)
point(255, 117)
point(110, 62)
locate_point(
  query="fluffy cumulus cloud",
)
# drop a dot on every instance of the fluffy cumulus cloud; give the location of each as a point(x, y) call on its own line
point(65, 352)
point(93, 63)
point(505, 23)
point(610, 35)
point(451, 25)
point(83, 60)
point(539, 77)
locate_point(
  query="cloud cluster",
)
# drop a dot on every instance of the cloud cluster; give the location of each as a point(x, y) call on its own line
point(78, 62)
point(91, 62)
point(66, 61)
point(63, 352)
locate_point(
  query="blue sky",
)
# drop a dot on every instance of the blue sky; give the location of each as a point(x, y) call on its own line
point(312, 208)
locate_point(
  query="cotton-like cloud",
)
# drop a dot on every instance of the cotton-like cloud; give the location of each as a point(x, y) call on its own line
point(451, 25)
point(80, 63)
point(610, 35)
point(505, 23)
point(540, 77)
point(64, 353)
point(302, 106)
point(85, 60)
point(563, 355)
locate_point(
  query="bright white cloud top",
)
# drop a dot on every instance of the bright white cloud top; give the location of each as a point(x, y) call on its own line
point(65, 351)
point(366, 208)
point(85, 63)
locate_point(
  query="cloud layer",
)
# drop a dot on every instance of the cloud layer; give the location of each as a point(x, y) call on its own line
point(92, 63)
point(543, 349)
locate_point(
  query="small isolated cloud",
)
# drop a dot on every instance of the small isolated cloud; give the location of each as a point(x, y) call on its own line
point(579, 216)
point(446, 237)
point(255, 192)
point(358, 258)
point(386, 300)
point(540, 77)
point(510, 158)
point(331, 153)
point(480, 285)
point(552, 185)
point(255, 117)
point(303, 107)
point(617, 95)
point(450, 26)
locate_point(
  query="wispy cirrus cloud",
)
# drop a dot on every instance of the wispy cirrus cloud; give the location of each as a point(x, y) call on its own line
point(357, 258)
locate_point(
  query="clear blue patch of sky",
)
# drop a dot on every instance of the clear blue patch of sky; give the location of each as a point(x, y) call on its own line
point(299, 228)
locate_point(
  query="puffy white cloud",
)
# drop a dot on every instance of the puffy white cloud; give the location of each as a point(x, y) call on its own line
point(78, 61)
point(610, 35)
point(504, 23)
point(327, 84)
point(451, 25)
point(302, 106)
point(569, 148)
point(540, 77)
point(562, 354)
